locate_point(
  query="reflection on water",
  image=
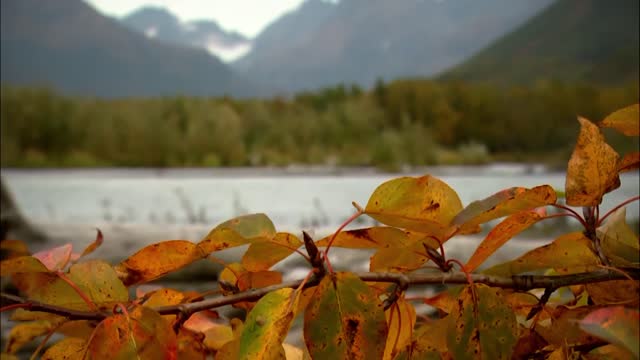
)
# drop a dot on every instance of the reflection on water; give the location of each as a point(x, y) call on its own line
point(209, 197)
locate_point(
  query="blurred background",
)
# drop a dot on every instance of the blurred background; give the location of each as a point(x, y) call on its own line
point(159, 119)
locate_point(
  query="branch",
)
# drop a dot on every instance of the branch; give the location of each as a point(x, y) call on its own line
point(515, 282)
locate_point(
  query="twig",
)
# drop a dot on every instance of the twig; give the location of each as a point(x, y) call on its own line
point(515, 282)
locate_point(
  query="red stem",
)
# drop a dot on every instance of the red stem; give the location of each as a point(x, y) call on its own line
point(628, 201)
point(75, 287)
point(335, 234)
point(572, 213)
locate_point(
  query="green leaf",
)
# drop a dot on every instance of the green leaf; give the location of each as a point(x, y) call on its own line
point(624, 120)
point(344, 320)
point(22, 264)
point(504, 203)
point(425, 204)
point(486, 330)
point(593, 168)
point(617, 325)
point(263, 254)
point(569, 253)
point(267, 326)
point(500, 234)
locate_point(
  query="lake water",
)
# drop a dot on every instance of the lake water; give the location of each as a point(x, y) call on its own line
point(292, 198)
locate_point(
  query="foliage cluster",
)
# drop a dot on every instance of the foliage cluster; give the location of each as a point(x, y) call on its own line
point(576, 296)
point(406, 122)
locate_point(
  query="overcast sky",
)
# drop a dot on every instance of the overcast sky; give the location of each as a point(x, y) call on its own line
point(247, 17)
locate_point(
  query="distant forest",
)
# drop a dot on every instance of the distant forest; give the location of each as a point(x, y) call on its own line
point(402, 123)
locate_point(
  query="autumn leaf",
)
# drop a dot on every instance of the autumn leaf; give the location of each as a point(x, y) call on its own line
point(22, 264)
point(429, 342)
point(484, 330)
point(345, 320)
point(425, 204)
point(593, 168)
point(142, 334)
point(70, 348)
point(156, 260)
point(617, 325)
point(238, 231)
point(23, 333)
point(56, 258)
point(568, 253)
point(401, 318)
point(504, 203)
point(619, 242)
point(501, 233)
point(95, 278)
point(94, 245)
point(624, 120)
point(630, 161)
point(263, 254)
point(267, 326)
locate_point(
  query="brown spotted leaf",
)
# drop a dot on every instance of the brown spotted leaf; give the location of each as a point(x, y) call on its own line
point(238, 231)
point(429, 342)
point(373, 237)
point(569, 253)
point(262, 255)
point(624, 120)
point(424, 204)
point(593, 167)
point(630, 161)
point(501, 233)
point(345, 320)
point(484, 330)
point(156, 260)
point(504, 203)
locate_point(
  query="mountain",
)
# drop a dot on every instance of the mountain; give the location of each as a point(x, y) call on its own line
point(573, 40)
point(68, 45)
point(322, 42)
point(159, 23)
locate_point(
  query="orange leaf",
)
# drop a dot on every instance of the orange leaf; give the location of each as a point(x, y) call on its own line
point(425, 204)
point(262, 255)
point(144, 334)
point(630, 161)
point(500, 234)
point(374, 237)
point(568, 253)
point(624, 120)
point(94, 245)
point(503, 203)
point(593, 168)
point(156, 260)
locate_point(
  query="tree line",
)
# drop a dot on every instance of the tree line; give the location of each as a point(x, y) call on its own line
point(405, 122)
